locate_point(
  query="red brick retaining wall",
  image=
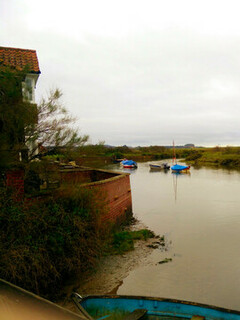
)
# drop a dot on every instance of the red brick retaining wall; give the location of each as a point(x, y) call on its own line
point(118, 197)
point(15, 181)
point(115, 187)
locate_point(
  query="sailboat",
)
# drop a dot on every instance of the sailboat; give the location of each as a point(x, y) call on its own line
point(178, 168)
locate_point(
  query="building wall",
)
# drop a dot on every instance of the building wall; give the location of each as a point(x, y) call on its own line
point(28, 87)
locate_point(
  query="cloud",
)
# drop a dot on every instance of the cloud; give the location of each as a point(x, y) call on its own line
point(137, 72)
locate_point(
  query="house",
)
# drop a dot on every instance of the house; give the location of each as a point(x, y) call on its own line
point(19, 59)
point(24, 60)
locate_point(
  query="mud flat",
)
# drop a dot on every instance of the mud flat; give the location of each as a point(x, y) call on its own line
point(112, 270)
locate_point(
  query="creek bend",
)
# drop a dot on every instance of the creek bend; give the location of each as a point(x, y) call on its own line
point(199, 214)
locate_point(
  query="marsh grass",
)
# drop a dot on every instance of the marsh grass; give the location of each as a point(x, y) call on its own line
point(123, 241)
point(217, 156)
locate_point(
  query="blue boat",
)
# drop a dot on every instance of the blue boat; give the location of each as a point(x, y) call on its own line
point(129, 164)
point(179, 168)
point(134, 307)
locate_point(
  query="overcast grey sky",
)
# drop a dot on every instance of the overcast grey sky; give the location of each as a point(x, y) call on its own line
point(137, 72)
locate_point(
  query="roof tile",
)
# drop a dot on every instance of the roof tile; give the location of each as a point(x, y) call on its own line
point(19, 58)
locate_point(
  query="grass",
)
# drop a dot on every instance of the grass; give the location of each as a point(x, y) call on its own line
point(123, 241)
point(115, 314)
point(217, 156)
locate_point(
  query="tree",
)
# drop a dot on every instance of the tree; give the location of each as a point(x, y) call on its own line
point(23, 125)
point(15, 115)
point(54, 126)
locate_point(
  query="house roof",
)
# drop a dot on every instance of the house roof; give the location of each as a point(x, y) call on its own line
point(19, 58)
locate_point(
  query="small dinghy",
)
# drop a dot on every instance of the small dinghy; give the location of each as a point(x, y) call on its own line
point(162, 166)
point(155, 166)
point(136, 308)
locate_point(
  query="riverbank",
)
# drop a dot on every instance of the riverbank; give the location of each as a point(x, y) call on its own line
point(112, 270)
point(217, 156)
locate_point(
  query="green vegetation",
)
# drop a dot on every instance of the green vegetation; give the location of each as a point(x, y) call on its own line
point(123, 241)
point(26, 128)
point(98, 155)
point(15, 116)
point(44, 243)
point(156, 152)
point(116, 314)
point(217, 156)
point(54, 127)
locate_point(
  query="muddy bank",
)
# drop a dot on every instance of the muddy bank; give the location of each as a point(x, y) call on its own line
point(112, 270)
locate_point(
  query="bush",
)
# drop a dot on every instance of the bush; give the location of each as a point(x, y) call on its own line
point(43, 244)
point(194, 155)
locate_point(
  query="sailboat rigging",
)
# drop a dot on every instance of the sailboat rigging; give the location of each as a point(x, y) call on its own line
point(178, 168)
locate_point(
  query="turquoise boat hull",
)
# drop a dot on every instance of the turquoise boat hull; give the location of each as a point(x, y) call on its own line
point(157, 308)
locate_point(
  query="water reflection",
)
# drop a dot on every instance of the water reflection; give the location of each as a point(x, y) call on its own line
point(200, 214)
point(176, 176)
point(129, 170)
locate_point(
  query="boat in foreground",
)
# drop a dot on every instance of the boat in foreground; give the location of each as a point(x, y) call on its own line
point(19, 304)
point(134, 307)
point(179, 168)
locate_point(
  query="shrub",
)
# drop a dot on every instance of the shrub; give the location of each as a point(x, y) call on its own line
point(194, 155)
point(44, 243)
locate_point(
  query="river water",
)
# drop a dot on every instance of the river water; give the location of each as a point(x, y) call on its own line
point(199, 215)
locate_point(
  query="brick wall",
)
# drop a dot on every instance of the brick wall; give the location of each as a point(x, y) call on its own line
point(15, 181)
point(77, 176)
point(115, 187)
point(117, 192)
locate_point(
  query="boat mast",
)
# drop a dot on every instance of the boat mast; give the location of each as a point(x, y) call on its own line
point(174, 154)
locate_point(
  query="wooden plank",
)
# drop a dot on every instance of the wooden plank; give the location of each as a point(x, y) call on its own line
point(136, 314)
point(197, 318)
point(76, 298)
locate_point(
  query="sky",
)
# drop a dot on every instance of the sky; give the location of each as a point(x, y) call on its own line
point(136, 72)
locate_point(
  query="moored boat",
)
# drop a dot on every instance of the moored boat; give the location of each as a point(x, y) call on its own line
point(180, 168)
point(161, 166)
point(155, 166)
point(135, 307)
point(166, 166)
point(129, 164)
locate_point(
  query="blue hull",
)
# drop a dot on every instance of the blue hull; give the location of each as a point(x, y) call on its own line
point(158, 308)
point(179, 168)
